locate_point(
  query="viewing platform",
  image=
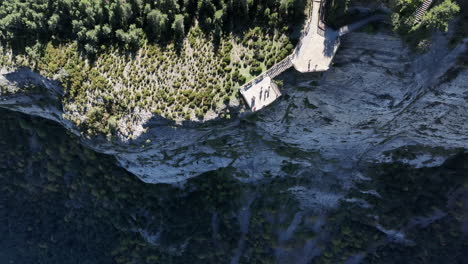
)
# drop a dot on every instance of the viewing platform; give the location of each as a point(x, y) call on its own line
point(261, 94)
point(314, 53)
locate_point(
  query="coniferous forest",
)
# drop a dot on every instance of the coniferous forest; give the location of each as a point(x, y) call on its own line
point(94, 23)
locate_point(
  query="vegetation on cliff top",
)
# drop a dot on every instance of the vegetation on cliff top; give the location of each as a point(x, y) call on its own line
point(96, 23)
point(438, 17)
point(120, 62)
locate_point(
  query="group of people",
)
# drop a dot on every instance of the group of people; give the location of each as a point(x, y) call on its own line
point(308, 67)
point(265, 94)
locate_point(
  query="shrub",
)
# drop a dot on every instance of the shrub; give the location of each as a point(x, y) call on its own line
point(255, 70)
point(242, 79)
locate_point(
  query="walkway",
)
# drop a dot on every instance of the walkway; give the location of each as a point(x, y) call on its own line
point(314, 53)
point(421, 11)
point(316, 49)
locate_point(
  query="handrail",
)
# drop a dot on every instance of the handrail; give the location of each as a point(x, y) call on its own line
point(272, 72)
point(419, 13)
point(286, 63)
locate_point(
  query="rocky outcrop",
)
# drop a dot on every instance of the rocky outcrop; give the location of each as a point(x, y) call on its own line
point(377, 97)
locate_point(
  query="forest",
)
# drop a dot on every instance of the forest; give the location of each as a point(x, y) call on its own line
point(96, 23)
point(68, 204)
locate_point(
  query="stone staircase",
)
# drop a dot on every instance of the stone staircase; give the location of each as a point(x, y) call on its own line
point(418, 15)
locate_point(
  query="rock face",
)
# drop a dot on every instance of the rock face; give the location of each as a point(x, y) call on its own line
point(377, 97)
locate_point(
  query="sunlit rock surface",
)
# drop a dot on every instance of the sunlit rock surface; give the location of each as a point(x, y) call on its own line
point(377, 97)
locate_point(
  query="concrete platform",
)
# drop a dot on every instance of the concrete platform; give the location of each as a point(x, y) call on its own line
point(314, 53)
point(260, 93)
point(316, 50)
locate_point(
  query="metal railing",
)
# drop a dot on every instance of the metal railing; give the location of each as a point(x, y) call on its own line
point(280, 67)
point(419, 13)
point(272, 72)
point(286, 63)
point(321, 28)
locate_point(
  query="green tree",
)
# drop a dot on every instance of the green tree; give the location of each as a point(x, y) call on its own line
point(439, 16)
point(157, 23)
point(178, 26)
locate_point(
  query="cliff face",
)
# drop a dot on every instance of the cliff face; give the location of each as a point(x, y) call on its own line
point(377, 98)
